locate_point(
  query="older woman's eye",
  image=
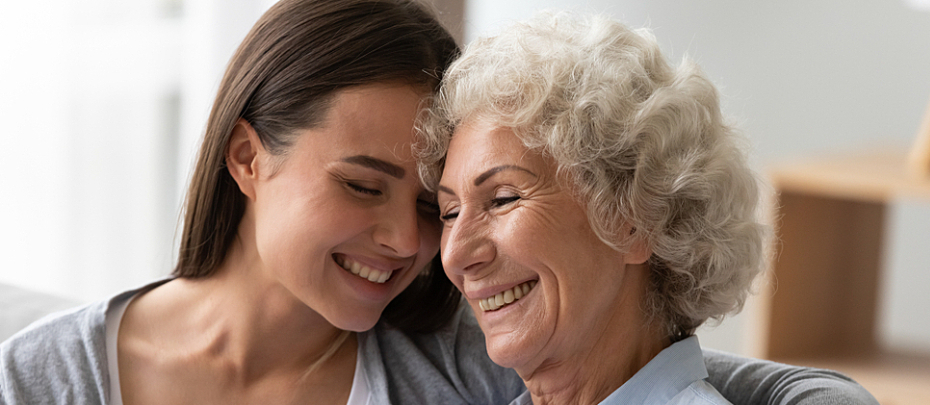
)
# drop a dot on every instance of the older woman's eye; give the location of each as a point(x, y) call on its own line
point(363, 190)
point(448, 216)
point(502, 201)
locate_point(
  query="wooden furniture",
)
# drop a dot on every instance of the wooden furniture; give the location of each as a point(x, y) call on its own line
point(822, 309)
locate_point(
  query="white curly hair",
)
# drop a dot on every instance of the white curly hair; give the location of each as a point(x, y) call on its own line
point(642, 143)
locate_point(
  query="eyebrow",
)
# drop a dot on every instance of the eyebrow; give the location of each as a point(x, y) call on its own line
point(377, 164)
point(494, 170)
point(487, 175)
point(445, 189)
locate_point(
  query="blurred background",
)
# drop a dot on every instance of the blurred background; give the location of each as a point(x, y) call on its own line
point(104, 102)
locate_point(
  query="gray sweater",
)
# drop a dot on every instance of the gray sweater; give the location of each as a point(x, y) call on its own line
point(61, 359)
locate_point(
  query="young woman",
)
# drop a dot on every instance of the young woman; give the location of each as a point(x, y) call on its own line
point(305, 224)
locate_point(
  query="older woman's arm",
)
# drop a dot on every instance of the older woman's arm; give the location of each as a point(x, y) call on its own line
point(744, 380)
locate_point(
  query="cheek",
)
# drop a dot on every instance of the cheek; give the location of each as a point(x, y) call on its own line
point(527, 239)
point(430, 236)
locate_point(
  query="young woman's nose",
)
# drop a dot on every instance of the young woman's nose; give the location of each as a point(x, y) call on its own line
point(398, 232)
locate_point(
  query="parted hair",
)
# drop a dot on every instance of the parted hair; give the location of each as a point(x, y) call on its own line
point(642, 144)
point(282, 79)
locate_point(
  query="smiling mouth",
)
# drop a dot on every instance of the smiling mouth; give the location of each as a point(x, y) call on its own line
point(363, 271)
point(502, 299)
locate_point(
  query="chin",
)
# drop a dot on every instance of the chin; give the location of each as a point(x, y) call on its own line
point(355, 321)
point(357, 326)
point(509, 350)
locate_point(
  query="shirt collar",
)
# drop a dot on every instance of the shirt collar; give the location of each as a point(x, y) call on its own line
point(669, 373)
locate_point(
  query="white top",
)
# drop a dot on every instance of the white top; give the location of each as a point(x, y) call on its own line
point(359, 395)
point(114, 318)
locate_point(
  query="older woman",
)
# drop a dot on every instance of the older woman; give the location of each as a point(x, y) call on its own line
point(596, 207)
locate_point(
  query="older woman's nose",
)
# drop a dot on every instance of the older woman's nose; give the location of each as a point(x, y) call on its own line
point(398, 232)
point(466, 248)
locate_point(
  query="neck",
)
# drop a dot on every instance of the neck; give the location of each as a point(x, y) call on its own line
point(260, 325)
point(608, 355)
point(242, 318)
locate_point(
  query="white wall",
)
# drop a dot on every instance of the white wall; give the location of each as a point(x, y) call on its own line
point(104, 103)
point(803, 78)
point(904, 324)
point(35, 122)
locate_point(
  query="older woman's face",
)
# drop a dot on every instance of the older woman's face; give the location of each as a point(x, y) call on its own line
point(520, 248)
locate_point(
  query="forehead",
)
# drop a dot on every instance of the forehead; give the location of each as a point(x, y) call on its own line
point(374, 120)
point(476, 140)
point(480, 145)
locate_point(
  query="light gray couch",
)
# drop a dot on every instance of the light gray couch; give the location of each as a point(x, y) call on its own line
point(19, 307)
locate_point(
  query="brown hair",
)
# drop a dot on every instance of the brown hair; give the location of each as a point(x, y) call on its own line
point(282, 79)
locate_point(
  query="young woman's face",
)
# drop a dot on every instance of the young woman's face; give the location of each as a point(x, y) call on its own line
point(342, 221)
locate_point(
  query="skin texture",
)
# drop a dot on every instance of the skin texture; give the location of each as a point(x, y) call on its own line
point(509, 219)
point(281, 298)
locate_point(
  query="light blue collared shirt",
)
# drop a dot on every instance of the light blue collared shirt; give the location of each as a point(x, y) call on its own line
point(675, 376)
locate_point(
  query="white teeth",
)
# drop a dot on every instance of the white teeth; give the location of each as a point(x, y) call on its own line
point(363, 271)
point(506, 297)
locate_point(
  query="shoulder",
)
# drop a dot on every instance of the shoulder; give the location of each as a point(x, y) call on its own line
point(451, 363)
point(741, 380)
point(60, 359)
point(62, 350)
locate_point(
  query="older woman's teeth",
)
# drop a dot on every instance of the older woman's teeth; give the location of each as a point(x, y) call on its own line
point(507, 297)
point(363, 271)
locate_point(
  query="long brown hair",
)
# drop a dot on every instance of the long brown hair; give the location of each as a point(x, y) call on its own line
point(282, 79)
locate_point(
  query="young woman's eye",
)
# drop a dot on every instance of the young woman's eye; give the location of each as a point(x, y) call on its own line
point(363, 190)
point(503, 200)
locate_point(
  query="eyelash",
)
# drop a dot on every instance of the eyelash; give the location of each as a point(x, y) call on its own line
point(449, 216)
point(363, 190)
point(495, 203)
point(502, 201)
point(428, 207)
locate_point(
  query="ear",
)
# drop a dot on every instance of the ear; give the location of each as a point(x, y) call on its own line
point(639, 250)
point(242, 157)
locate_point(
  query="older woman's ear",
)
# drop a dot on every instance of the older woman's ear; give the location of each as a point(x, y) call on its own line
point(639, 250)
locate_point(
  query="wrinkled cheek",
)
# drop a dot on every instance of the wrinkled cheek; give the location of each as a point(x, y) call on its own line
point(511, 348)
point(520, 343)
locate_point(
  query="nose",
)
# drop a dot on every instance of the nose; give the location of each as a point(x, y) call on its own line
point(466, 246)
point(398, 231)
